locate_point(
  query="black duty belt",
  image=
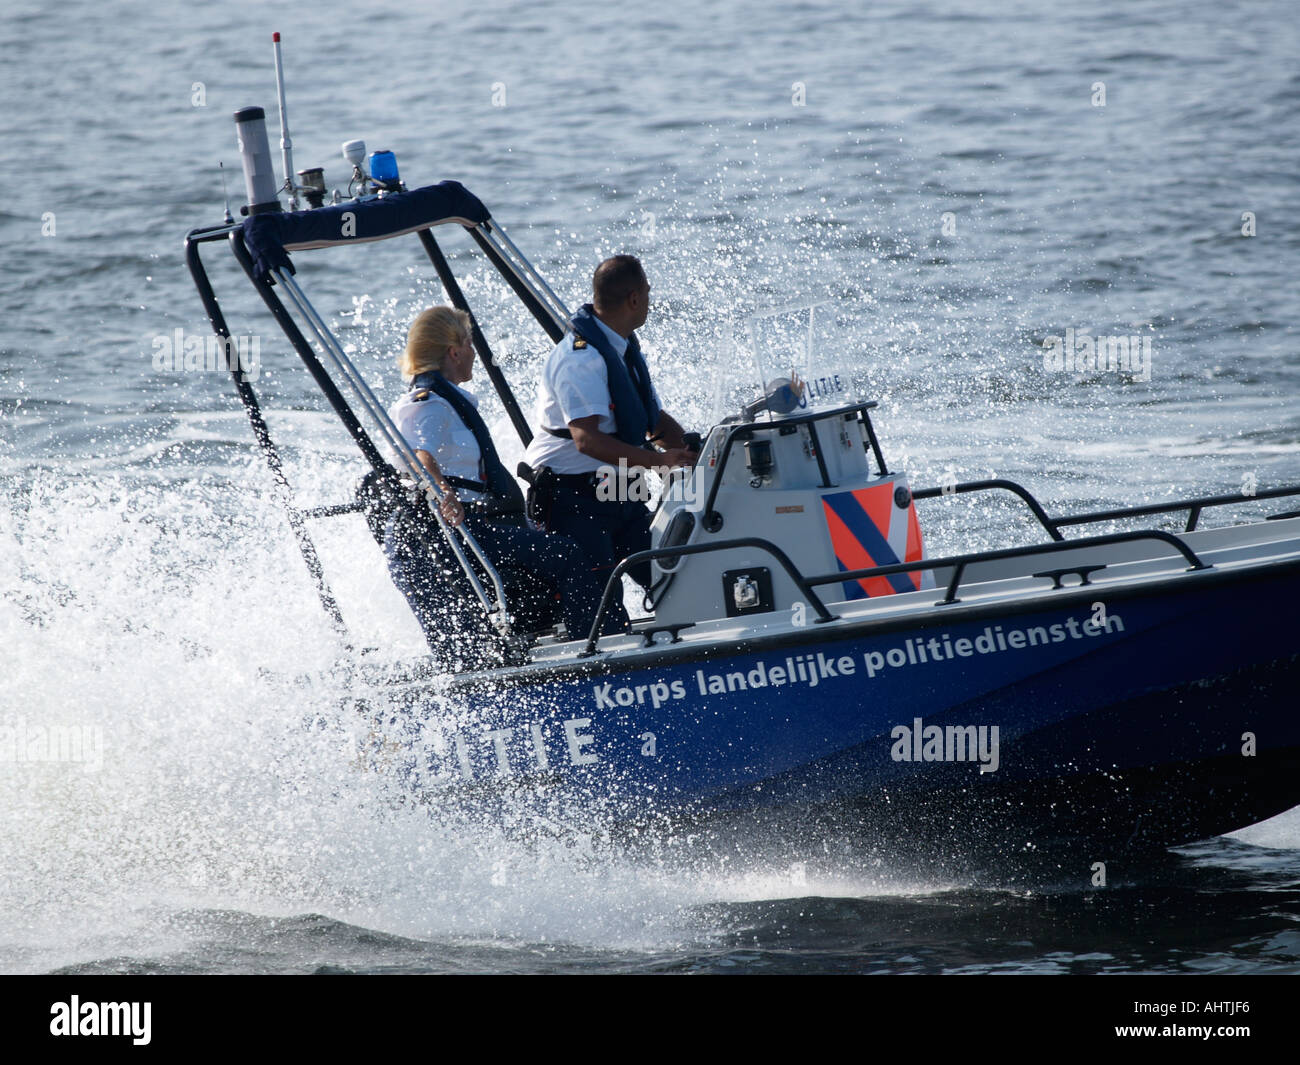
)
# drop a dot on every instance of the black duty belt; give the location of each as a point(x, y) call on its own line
point(579, 480)
point(587, 483)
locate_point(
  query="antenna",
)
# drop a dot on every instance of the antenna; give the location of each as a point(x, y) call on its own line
point(225, 192)
point(286, 142)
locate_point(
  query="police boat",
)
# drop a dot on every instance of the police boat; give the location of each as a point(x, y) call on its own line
point(804, 665)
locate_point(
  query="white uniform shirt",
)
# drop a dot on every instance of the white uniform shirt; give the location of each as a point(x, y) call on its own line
point(432, 425)
point(575, 384)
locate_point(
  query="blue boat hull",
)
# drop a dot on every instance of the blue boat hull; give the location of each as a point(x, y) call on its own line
point(1162, 714)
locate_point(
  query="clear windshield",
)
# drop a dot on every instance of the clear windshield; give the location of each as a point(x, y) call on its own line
point(799, 359)
point(781, 362)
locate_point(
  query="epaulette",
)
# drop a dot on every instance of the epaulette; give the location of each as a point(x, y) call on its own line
point(579, 343)
point(421, 396)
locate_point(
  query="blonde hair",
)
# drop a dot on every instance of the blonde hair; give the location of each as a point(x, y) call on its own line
point(431, 336)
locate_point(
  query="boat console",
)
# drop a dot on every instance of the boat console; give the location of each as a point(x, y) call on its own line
point(813, 485)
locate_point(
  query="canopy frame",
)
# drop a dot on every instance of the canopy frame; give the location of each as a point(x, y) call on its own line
point(261, 245)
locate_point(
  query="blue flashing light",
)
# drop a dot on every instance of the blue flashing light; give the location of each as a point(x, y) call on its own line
point(383, 168)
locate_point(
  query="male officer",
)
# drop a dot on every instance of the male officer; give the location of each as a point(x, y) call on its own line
point(597, 409)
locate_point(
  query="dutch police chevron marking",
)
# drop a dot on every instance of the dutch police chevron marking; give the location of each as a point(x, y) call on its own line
point(867, 529)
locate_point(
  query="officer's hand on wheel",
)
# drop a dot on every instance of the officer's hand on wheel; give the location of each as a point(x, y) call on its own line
point(678, 456)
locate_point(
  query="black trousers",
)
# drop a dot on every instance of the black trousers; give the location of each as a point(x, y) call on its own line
point(427, 573)
point(607, 531)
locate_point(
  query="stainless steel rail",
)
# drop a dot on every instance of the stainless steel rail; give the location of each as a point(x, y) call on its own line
point(498, 612)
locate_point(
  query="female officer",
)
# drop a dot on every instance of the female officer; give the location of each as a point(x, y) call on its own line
point(441, 423)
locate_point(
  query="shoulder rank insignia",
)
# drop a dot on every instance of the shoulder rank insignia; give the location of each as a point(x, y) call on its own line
point(579, 343)
point(421, 396)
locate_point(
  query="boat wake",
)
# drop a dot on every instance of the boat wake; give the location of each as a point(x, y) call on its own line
point(180, 764)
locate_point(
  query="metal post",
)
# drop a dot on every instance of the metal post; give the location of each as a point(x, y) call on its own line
point(490, 366)
point(498, 614)
point(547, 317)
point(266, 445)
point(496, 232)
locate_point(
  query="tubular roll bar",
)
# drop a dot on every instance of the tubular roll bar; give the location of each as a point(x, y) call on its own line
point(615, 579)
point(498, 613)
point(807, 584)
point(452, 287)
point(308, 355)
point(523, 278)
point(1053, 525)
point(393, 436)
point(248, 397)
point(494, 233)
point(711, 520)
point(515, 276)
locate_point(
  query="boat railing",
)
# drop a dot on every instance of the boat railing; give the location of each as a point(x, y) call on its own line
point(1194, 507)
point(458, 539)
point(615, 583)
point(303, 319)
point(991, 485)
point(711, 519)
point(498, 611)
point(959, 563)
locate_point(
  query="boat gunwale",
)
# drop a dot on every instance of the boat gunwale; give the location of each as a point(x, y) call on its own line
point(632, 659)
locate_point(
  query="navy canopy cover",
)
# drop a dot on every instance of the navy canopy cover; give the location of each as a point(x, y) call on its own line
point(272, 235)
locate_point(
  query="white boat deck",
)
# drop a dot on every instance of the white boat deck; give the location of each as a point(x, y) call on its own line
point(985, 583)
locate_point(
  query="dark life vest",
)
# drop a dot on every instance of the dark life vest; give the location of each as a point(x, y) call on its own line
point(635, 411)
point(503, 488)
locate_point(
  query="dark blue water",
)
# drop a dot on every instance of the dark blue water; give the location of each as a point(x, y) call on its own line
point(943, 176)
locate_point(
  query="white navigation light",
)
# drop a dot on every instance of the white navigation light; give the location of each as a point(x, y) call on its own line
point(354, 152)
